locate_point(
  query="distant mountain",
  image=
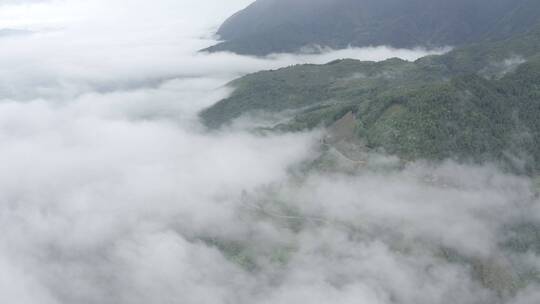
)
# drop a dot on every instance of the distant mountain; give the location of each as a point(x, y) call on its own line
point(4, 32)
point(480, 102)
point(270, 26)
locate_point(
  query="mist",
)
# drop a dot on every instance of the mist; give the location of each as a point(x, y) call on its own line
point(111, 191)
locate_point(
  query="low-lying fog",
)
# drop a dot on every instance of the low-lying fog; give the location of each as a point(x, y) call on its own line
point(112, 192)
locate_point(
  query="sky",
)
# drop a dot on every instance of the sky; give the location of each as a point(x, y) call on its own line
point(112, 192)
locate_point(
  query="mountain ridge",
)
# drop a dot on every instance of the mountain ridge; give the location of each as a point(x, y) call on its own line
point(479, 102)
point(277, 26)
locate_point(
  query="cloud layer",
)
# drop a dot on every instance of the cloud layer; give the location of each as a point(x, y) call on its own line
point(111, 191)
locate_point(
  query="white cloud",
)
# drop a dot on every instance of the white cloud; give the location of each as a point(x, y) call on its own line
point(111, 191)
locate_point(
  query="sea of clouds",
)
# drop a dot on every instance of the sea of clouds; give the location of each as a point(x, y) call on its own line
point(112, 192)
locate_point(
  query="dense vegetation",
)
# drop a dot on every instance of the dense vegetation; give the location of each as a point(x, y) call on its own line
point(269, 26)
point(478, 103)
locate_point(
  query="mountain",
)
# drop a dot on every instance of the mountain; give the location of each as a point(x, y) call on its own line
point(480, 102)
point(272, 26)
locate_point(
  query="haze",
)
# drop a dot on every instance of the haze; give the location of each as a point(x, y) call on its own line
point(111, 191)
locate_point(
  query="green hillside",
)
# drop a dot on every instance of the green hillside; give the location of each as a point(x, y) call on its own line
point(270, 26)
point(479, 103)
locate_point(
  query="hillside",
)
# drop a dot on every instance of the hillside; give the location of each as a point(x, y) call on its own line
point(270, 26)
point(475, 103)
